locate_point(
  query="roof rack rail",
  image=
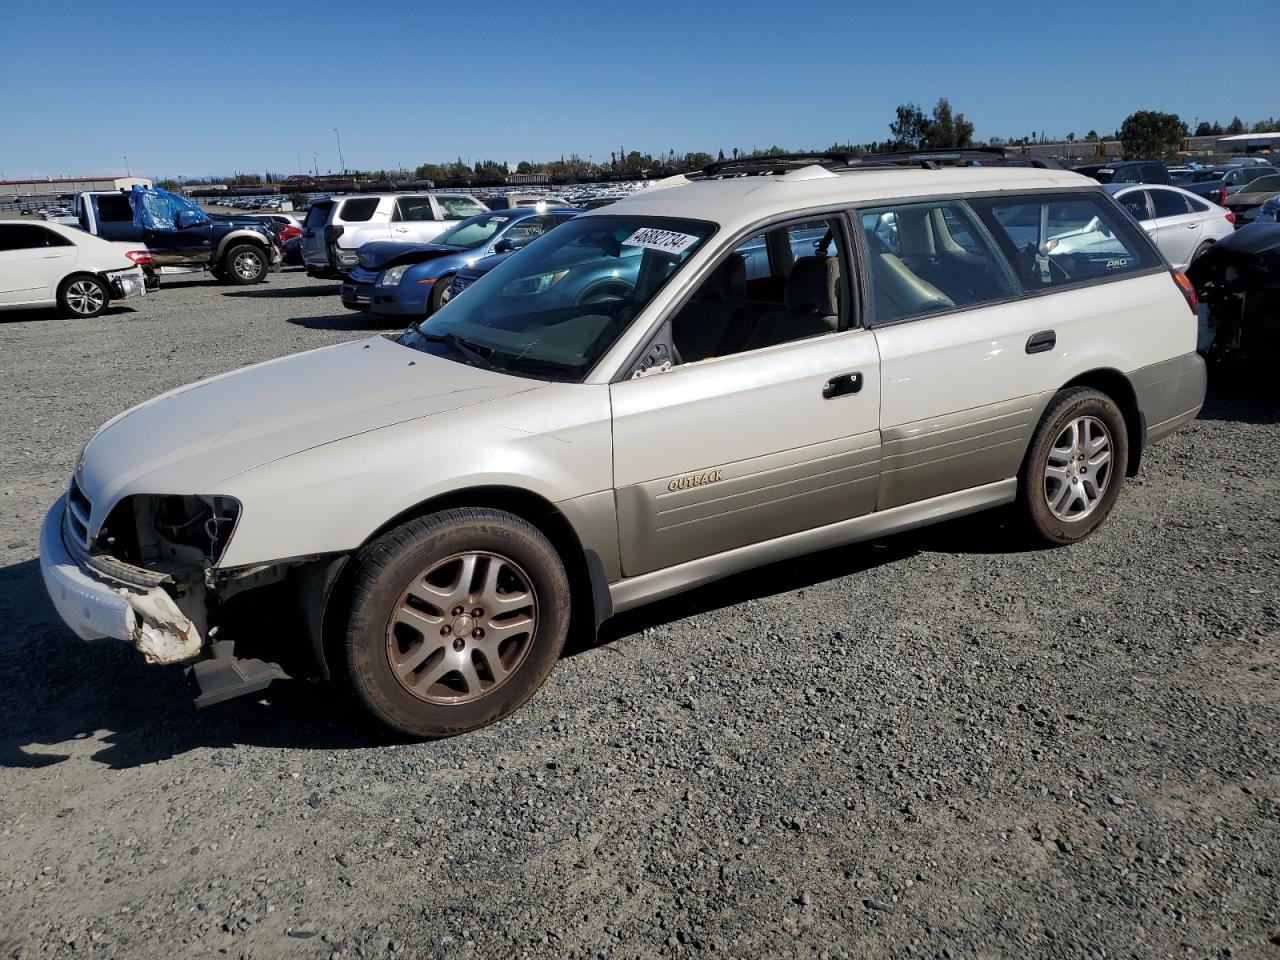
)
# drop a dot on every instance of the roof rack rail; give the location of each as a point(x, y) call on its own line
point(930, 159)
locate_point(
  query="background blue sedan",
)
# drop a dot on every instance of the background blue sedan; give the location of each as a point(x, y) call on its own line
point(410, 279)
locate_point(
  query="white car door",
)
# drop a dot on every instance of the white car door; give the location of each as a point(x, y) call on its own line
point(33, 261)
point(414, 220)
point(1179, 227)
point(769, 427)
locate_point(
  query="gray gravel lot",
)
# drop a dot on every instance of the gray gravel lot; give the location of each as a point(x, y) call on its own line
point(940, 744)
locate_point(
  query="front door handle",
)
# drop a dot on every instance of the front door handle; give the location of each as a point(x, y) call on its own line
point(842, 385)
point(1042, 342)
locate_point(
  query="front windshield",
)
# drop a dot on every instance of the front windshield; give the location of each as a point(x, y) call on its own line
point(474, 231)
point(552, 310)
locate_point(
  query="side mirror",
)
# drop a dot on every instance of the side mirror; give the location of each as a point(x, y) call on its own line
point(505, 245)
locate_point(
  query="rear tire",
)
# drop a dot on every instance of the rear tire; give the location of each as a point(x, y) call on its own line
point(456, 620)
point(1075, 466)
point(244, 264)
point(83, 296)
point(1200, 251)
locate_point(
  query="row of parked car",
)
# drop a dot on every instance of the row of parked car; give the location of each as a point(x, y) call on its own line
point(401, 256)
point(1248, 187)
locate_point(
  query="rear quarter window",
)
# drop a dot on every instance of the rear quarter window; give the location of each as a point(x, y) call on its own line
point(358, 210)
point(1057, 240)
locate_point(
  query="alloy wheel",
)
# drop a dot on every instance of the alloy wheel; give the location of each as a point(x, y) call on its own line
point(85, 297)
point(462, 627)
point(1078, 469)
point(247, 265)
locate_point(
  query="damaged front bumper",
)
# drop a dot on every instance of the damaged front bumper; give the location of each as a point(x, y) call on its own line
point(104, 598)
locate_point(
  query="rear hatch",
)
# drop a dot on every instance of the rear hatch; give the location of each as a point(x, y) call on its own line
point(315, 249)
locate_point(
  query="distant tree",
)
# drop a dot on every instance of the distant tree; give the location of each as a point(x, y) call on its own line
point(490, 170)
point(1265, 126)
point(913, 130)
point(1235, 126)
point(946, 130)
point(1149, 133)
point(1204, 129)
point(910, 127)
point(696, 161)
point(1071, 137)
point(524, 166)
point(720, 156)
point(1217, 130)
point(1091, 135)
point(430, 171)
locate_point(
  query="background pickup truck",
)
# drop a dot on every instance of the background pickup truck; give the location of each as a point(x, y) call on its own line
point(336, 227)
point(234, 249)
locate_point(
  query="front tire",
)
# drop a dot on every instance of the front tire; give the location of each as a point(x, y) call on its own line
point(83, 297)
point(1074, 467)
point(438, 290)
point(246, 263)
point(456, 620)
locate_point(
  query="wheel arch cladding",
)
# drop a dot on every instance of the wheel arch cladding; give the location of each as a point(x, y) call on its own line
point(1118, 387)
point(588, 585)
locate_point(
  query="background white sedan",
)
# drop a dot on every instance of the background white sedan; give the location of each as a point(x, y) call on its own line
point(1182, 224)
point(49, 264)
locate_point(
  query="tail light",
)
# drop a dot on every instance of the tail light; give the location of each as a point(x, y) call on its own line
point(1231, 217)
point(1222, 196)
point(1188, 291)
point(288, 233)
point(331, 234)
point(142, 258)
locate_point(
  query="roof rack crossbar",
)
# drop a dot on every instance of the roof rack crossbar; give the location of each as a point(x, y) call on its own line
point(929, 159)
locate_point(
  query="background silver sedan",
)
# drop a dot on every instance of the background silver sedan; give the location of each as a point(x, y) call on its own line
point(1182, 224)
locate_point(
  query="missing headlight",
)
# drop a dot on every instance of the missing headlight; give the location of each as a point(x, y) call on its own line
point(203, 523)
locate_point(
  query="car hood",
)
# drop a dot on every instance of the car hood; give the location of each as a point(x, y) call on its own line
point(485, 264)
point(1250, 198)
point(191, 439)
point(381, 254)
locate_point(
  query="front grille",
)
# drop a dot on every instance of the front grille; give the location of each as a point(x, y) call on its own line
point(78, 511)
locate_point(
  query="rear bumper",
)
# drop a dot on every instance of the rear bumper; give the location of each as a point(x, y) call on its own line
point(126, 285)
point(1170, 394)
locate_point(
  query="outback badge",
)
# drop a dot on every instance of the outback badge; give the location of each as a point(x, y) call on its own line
point(696, 480)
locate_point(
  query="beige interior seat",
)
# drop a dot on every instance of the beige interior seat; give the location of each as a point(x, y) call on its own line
point(896, 290)
point(812, 301)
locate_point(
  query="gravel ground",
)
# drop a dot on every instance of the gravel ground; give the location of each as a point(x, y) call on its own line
point(939, 744)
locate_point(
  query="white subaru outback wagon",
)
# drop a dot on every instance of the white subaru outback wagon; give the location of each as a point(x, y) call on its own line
point(789, 355)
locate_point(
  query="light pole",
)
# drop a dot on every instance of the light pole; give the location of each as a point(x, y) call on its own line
point(342, 163)
point(126, 166)
point(315, 163)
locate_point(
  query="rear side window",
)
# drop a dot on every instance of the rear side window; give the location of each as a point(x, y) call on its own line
point(930, 257)
point(28, 236)
point(1057, 239)
point(1169, 204)
point(459, 208)
point(114, 209)
point(414, 208)
point(358, 210)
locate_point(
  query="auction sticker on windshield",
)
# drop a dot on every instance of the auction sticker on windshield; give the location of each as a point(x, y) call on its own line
point(668, 241)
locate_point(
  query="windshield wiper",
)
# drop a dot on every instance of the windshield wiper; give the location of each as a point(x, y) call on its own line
point(472, 351)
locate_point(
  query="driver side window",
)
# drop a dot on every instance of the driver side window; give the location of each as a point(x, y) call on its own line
point(783, 284)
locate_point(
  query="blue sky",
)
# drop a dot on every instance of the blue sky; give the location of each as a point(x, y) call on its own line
point(200, 88)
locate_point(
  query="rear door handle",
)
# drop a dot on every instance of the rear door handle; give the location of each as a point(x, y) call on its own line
point(1042, 342)
point(842, 385)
